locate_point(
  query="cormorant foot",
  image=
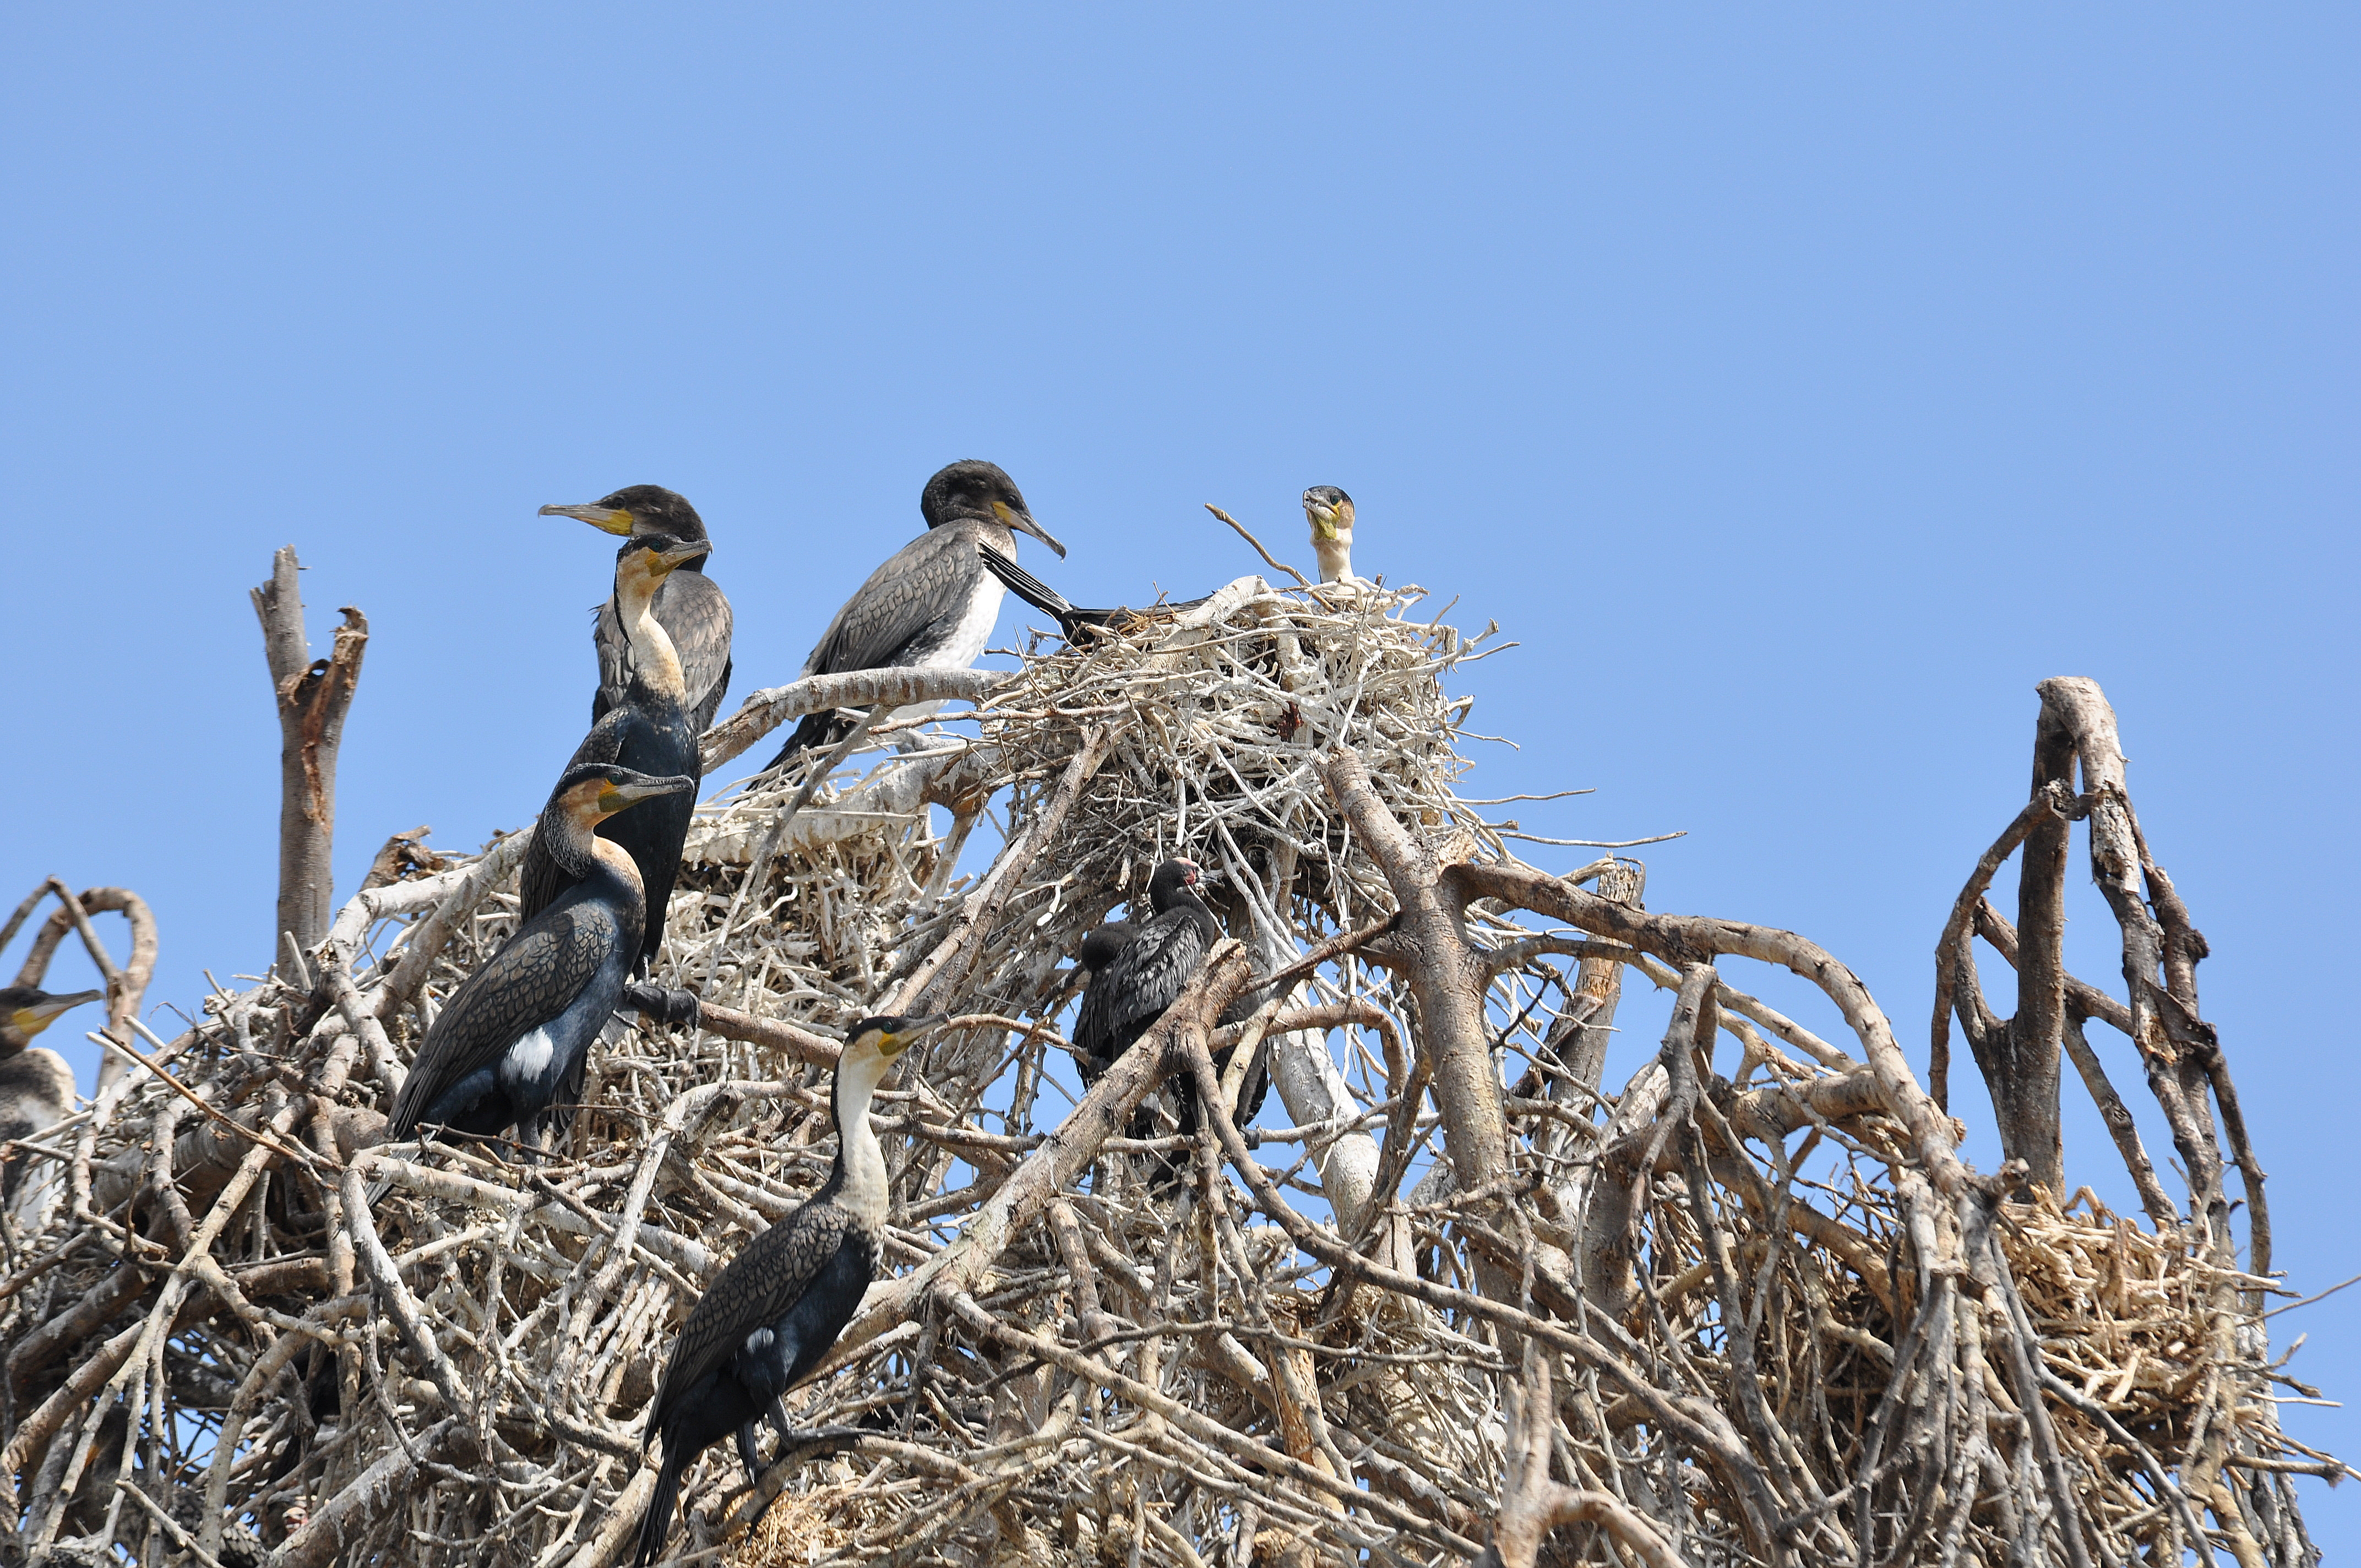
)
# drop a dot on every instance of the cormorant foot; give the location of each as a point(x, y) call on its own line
point(665, 1004)
point(749, 1453)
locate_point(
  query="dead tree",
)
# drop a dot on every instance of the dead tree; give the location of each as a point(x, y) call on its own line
point(314, 697)
point(1749, 1306)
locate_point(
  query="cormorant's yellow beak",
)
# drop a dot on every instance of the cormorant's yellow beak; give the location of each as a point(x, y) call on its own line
point(41, 1015)
point(912, 1031)
point(1022, 520)
point(1324, 523)
point(609, 519)
point(668, 560)
point(614, 797)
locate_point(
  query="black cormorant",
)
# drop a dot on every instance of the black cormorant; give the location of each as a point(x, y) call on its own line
point(932, 603)
point(649, 731)
point(781, 1303)
point(518, 1029)
point(1330, 512)
point(1138, 969)
point(37, 1086)
point(693, 611)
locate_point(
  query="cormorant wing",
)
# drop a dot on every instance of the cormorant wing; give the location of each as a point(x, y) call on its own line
point(532, 979)
point(915, 598)
point(695, 613)
point(1100, 948)
point(1141, 982)
point(756, 1291)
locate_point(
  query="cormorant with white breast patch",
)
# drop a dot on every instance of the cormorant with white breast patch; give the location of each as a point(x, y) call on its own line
point(37, 1086)
point(1330, 512)
point(931, 603)
point(693, 611)
point(649, 730)
point(778, 1307)
point(518, 1029)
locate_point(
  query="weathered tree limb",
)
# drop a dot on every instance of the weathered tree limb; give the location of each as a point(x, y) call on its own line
point(126, 985)
point(314, 697)
point(765, 710)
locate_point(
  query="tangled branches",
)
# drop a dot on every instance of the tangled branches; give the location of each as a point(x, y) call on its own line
point(1465, 1299)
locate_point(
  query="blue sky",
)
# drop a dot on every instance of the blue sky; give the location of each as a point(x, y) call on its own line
point(1798, 388)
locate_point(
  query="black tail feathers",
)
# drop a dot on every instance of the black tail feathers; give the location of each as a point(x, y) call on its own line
point(655, 1525)
point(817, 731)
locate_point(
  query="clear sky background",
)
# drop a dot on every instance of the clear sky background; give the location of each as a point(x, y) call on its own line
point(1799, 389)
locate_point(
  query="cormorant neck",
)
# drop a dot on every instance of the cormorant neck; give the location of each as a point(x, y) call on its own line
point(859, 1174)
point(1336, 556)
point(578, 850)
point(652, 650)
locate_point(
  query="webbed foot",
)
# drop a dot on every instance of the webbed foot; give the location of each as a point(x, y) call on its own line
point(664, 1004)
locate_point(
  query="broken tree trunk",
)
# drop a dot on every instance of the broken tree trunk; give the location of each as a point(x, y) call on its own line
point(313, 696)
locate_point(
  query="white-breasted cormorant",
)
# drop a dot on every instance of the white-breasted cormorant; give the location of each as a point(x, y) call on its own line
point(648, 731)
point(692, 609)
point(37, 1086)
point(781, 1303)
point(520, 1028)
point(1330, 512)
point(931, 603)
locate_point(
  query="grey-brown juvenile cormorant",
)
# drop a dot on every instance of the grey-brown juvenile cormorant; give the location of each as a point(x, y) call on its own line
point(37, 1086)
point(693, 611)
point(649, 730)
point(781, 1303)
point(1076, 624)
point(520, 1028)
point(931, 603)
point(1330, 512)
point(1138, 969)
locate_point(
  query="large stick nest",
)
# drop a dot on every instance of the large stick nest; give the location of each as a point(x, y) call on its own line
point(1748, 1309)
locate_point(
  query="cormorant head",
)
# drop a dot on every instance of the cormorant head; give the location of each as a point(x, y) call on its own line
point(26, 1011)
point(974, 488)
point(637, 511)
point(889, 1036)
point(642, 565)
point(1173, 878)
point(592, 793)
point(1330, 510)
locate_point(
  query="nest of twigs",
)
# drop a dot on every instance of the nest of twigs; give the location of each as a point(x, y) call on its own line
point(1748, 1307)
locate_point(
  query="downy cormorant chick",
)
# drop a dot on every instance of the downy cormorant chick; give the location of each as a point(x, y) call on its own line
point(36, 1087)
point(1330, 512)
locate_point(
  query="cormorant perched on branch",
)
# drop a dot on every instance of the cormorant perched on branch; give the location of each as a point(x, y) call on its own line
point(520, 1027)
point(649, 730)
point(781, 1303)
point(1330, 512)
point(693, 611)
point(1139, 967)
point(931, 603)
point(37, 1086)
